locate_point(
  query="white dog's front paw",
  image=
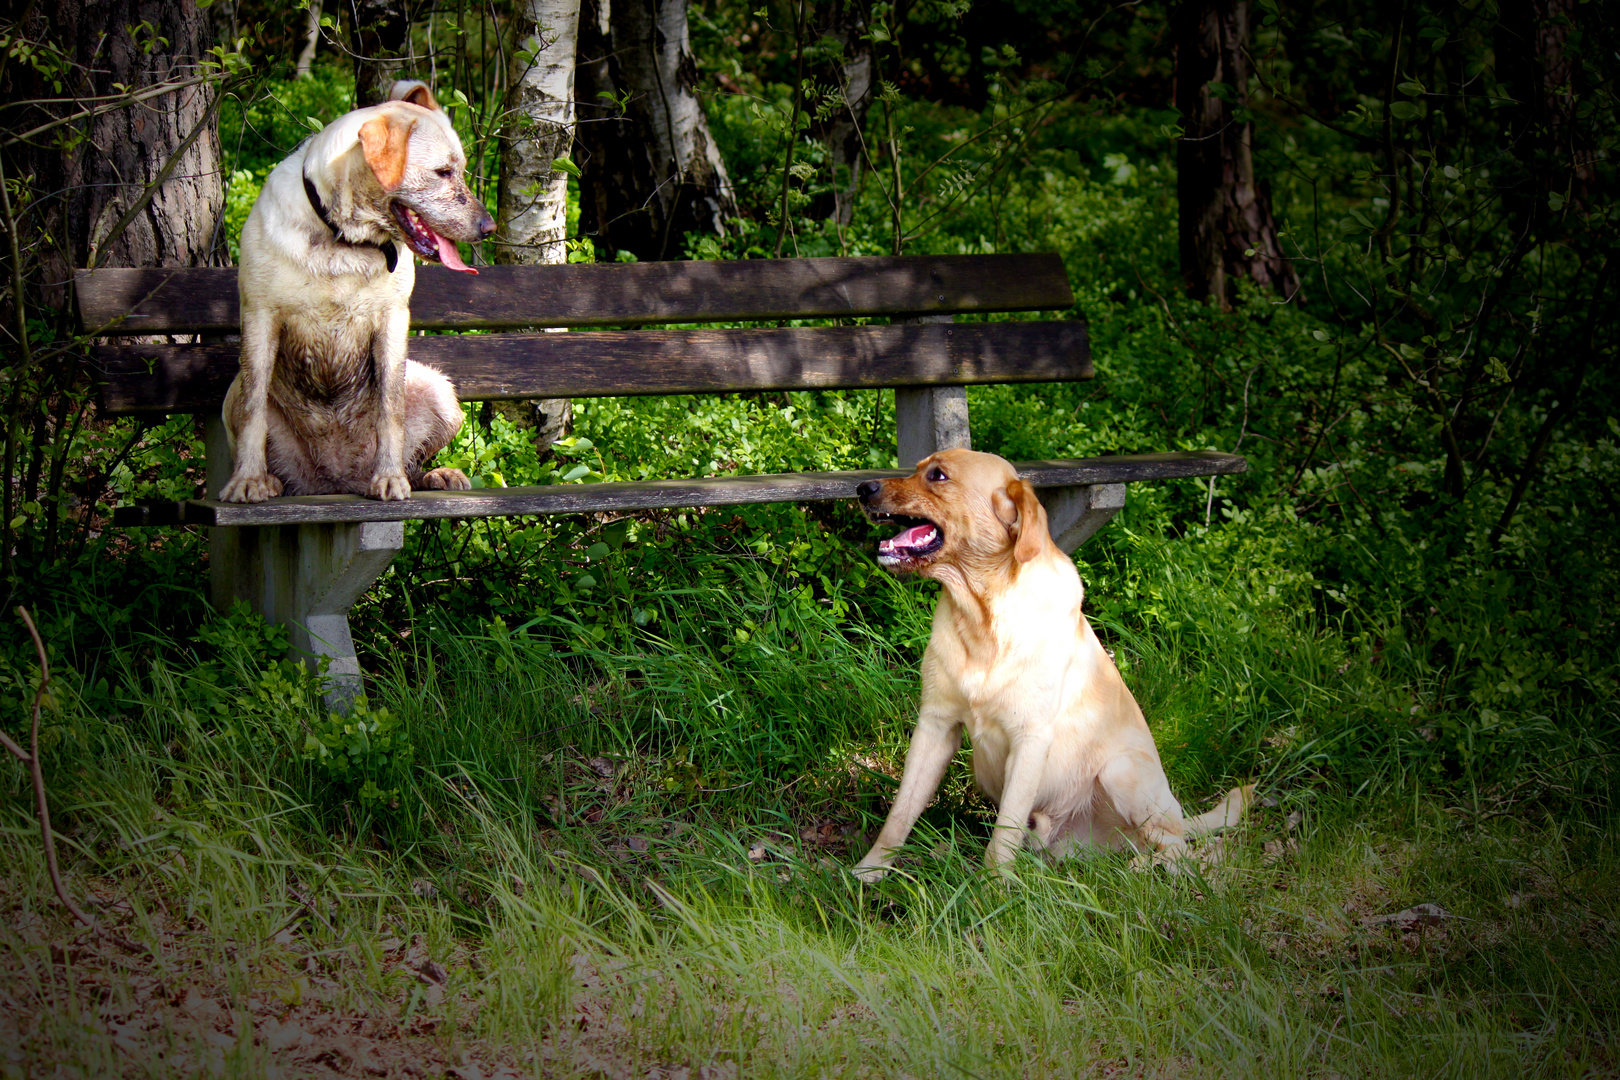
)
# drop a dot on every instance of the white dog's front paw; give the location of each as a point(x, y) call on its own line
point(446, 479)
point(392, 488)
point(871, 873)
point(250, 489)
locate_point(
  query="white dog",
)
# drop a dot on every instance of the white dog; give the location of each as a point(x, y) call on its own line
point(1059, 744)
point(326, 401)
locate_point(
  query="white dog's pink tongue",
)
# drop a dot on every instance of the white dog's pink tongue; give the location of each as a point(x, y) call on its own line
point(449, 256)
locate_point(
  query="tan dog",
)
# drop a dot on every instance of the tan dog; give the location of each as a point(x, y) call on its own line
point(326, 401)
point(1058, 742)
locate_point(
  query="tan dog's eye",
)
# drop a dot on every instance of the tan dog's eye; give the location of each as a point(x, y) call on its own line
point(936, 474)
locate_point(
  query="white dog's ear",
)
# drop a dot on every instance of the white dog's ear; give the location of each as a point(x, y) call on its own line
point(414, 91)
point(384, 140)
point(1025, 518)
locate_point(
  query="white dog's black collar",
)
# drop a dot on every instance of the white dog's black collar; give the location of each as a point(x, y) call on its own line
point(390, 252)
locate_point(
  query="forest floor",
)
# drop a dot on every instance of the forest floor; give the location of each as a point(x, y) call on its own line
point(662, 940)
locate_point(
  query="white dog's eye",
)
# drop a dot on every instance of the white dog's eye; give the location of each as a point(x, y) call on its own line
point(448, 174)
point(936, 474)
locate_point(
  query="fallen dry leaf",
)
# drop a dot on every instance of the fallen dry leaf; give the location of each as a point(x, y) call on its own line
point(1277, 850)
point(278, 1036)
point(1413, 917)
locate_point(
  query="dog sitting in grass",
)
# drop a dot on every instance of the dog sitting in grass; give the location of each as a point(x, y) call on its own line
point(326, 401)
point(1059, 744)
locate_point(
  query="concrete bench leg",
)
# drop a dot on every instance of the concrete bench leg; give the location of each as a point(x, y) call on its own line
point(306, 576)
point(1076, 513)
point(930, 418)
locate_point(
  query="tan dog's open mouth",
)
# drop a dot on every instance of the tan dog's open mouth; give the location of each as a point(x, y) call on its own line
point(917, 540)
point(422, 239)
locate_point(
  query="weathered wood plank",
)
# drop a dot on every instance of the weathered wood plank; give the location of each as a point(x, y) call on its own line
point(154, 378)
point(204, 299)
point(649, 495)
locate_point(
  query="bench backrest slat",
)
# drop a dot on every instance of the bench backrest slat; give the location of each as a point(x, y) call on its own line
point(164, 300)
point(142, 378)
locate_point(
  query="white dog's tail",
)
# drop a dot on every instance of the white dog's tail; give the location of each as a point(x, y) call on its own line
point(1228, 812)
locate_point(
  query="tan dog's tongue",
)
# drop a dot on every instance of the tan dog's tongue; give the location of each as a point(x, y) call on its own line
point(450, 257)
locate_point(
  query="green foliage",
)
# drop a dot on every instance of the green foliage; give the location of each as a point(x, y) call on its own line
point(359, 749)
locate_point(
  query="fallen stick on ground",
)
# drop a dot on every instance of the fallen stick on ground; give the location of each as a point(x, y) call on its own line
point(30, 757)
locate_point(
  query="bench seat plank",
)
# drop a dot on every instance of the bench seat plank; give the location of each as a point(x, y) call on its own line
point(157, 378)
point(646, 495)
point(163, 300)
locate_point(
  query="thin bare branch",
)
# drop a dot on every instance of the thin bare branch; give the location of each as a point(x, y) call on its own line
point(42, 804)
point(124, 101)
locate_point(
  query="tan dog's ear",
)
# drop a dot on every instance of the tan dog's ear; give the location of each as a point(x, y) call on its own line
point(414, 91)
point(383, 139)
point(1025, 517)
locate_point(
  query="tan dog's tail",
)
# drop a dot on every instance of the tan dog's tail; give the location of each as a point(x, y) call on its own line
point(1228, 812)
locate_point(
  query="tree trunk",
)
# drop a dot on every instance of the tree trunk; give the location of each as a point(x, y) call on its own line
point(1225, 211)
point(143, 186)
point(380, 38)
point(844, 22)
point(137, 185)
point(533, 197)
point(652, 174)
point(1555, 152)
point(312, 38)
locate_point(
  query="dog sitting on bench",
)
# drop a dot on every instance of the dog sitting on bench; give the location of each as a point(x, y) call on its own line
point(1059, 743)
point(325, 401)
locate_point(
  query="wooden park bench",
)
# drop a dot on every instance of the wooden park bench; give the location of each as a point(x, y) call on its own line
point(305, 560)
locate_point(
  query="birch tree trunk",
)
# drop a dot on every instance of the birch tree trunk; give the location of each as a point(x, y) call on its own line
point(533, 197)
point(532, 201)
point(652, 174)
point(312, 38)
point(1225, 211)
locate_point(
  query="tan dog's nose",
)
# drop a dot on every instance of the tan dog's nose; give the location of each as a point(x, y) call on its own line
point(866, 489)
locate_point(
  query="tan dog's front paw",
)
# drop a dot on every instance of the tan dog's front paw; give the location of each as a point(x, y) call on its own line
point(250, 489)
point(1166, 859)
point(390, 488)
point(870, 873)
point(446, 480)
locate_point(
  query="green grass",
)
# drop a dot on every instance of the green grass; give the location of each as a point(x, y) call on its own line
point(630, 862)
